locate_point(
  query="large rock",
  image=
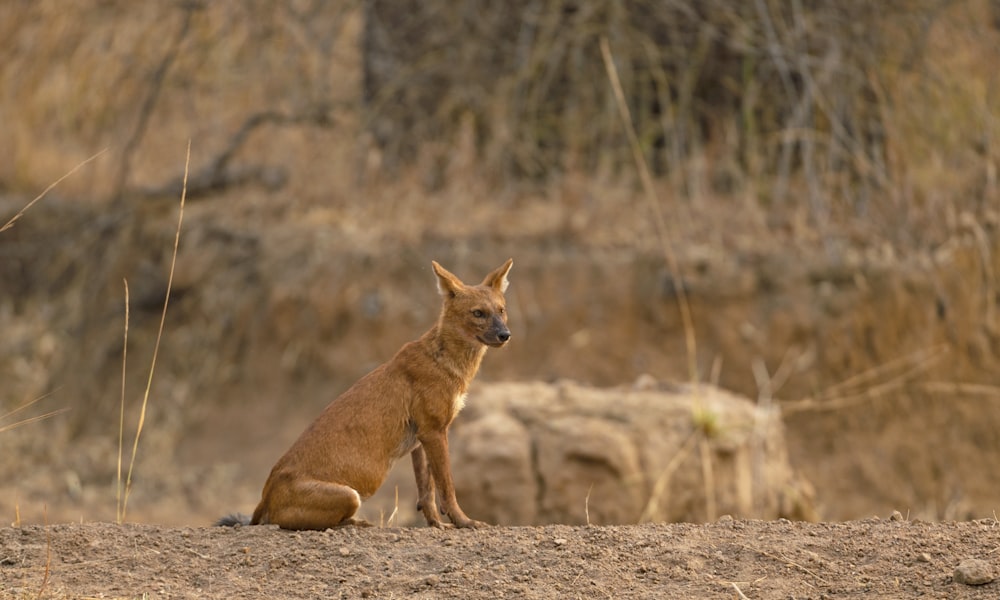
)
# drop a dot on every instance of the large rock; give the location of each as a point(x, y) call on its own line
point(531, 453)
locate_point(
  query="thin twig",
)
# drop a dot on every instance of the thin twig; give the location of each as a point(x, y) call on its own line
point(961, 388)
point(24, 406)
point(827, 401)
point(708, 477)
point(586, 504)
point(983, 244)
point(660, 487)
point(738, 590)
point(53, 413)
point(791, 563)
point(395, 510)
point(21, 212)
point(661, 225)
point(119, 513)
point(921, 357)
point(159, 335)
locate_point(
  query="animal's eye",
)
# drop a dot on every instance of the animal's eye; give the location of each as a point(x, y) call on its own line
point(502, 310)
point(478, 314)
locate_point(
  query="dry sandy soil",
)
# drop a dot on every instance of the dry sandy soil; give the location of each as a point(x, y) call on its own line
point(888, 558)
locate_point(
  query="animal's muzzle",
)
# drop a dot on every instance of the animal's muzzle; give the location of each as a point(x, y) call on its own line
point(498, 334)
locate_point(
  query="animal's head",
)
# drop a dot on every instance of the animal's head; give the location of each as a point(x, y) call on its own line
point(476, 312)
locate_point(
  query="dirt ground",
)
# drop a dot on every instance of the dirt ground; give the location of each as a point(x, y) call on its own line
point(886, 558)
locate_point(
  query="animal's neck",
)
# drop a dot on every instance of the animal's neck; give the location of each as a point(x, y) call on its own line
point(456, 354)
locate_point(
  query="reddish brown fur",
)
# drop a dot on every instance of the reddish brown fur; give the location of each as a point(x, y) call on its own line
point(404, 406)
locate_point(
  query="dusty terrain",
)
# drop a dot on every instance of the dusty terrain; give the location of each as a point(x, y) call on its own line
point(729, 559)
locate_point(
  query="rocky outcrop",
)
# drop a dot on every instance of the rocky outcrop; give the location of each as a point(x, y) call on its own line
point(531, 453)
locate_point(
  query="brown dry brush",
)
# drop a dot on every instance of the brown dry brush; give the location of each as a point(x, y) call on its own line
point(151, 64)
point(790, 93)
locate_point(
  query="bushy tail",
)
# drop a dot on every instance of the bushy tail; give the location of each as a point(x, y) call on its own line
point(232, 520)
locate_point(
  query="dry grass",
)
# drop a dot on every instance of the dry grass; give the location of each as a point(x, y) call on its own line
point(876, 383)
point(661, 487)
point(122, 508)
point(21, 212)
point(832, 116)
point(817, 112)
point(666, 237)
point(25, 421)
point(391, 520)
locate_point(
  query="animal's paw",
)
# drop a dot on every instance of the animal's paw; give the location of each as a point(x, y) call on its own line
point(355, 522)
point(471, 524)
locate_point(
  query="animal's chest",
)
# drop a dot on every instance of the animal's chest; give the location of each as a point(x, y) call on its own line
point(409, 441)
point(457, 404)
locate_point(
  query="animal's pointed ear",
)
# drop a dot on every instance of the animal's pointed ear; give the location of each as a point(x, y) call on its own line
point(498, 279)
point(448, 284)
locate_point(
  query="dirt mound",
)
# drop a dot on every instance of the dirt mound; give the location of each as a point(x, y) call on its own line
point(758, 559)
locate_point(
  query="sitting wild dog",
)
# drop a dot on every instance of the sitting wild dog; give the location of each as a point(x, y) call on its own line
point(405, 406)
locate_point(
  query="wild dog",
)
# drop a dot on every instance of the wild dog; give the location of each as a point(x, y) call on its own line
point(404, 406)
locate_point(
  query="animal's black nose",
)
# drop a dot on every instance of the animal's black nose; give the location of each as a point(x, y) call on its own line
point(503, 336)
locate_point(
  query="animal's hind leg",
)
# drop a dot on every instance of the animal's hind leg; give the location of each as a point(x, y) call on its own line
point(313, 504)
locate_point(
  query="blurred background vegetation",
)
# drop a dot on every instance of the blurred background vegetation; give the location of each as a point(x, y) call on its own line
point(883, 114)
point(828, 171)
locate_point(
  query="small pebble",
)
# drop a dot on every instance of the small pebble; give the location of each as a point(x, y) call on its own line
point(973, 571)
point(896, 516)
point(345, 551)
point(559, 541)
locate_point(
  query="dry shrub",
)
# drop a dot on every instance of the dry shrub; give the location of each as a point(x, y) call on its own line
point(802, 105)
point(143, 78)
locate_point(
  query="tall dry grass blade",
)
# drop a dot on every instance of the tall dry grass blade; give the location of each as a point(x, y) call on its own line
point(24, 406)
point(119, 514)
point(395, 510)
point(984, 245)
point(661, 225)
point(843, 395)
point(708, 478)
point(159, 336)
point(659, 491)
point(959, 388)
point(921, 357)
point(586, 504)
point(21, 212)
point(33, 419)
point(826, 402)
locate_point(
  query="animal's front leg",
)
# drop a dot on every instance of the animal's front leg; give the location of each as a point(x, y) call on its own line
point(435, 446)
point(426, 502)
